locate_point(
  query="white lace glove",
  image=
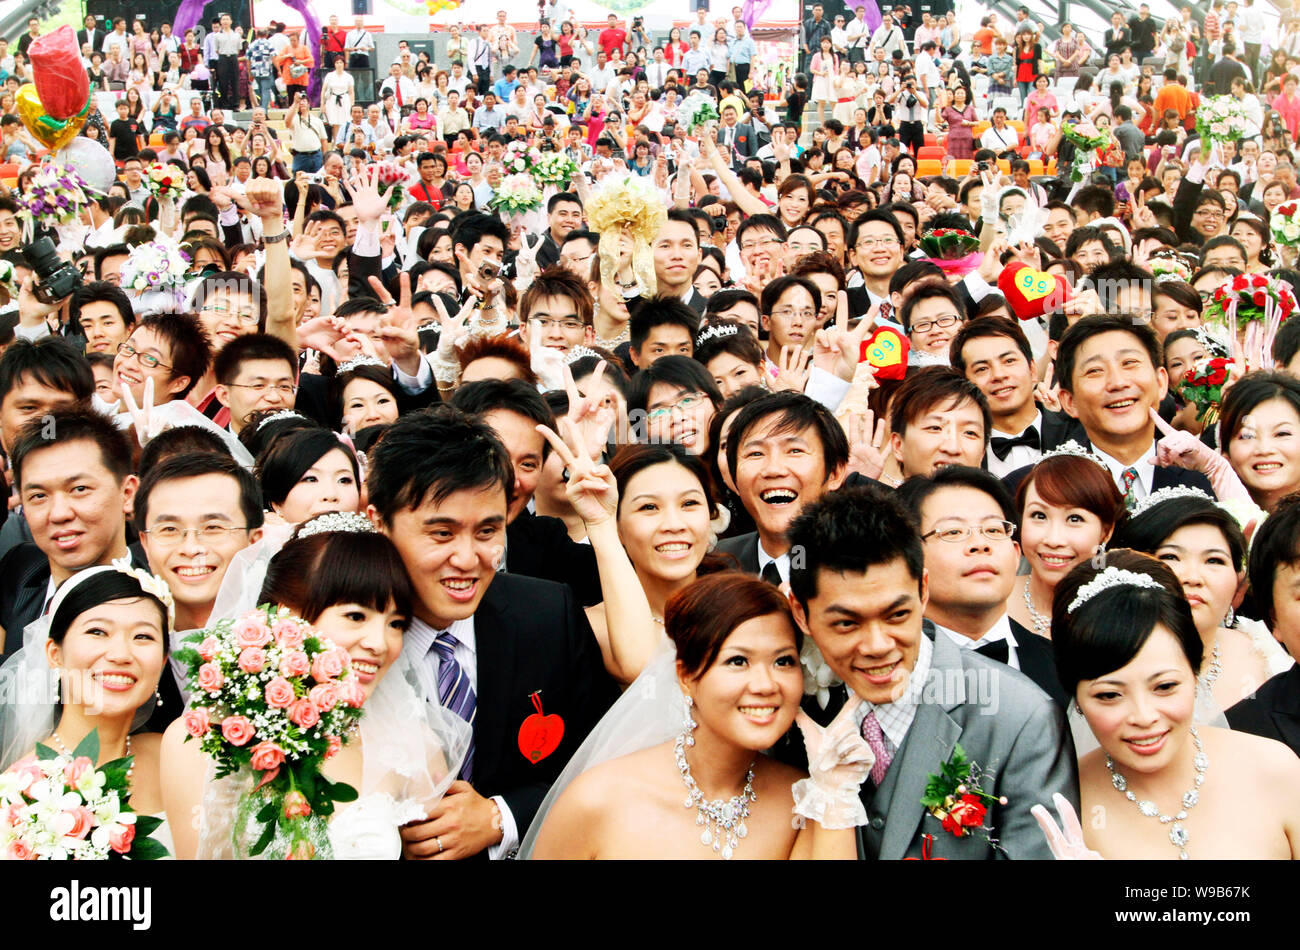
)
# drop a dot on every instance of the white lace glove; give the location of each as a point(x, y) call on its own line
point(547, 362)
point(1066, 841)
point(989, 206)
point(839, 760)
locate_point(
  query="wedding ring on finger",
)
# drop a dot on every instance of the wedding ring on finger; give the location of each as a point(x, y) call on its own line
point(438, 841)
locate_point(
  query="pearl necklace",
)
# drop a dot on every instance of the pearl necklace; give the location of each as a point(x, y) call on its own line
point(720, 818)
point(1177, 834)
point(58, 744)
point(1042, 624)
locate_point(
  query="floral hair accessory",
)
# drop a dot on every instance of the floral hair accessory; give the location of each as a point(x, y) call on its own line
point(627, 204)
point(949, 243)
point(715, 332)
point(151, 584)
point(1170, 265)
point(335, 522)
point(1112, 577)
point(359, 361)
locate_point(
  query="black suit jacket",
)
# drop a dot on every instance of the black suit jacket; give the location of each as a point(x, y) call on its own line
point(746, 141)
point(1273, 711)
point(540, 546)
point(697, 302)
point(744, 548)
point(531, 637)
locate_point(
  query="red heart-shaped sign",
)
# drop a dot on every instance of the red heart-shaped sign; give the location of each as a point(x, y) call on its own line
point(1031, 293)
point(886, 350)
point(540, 735)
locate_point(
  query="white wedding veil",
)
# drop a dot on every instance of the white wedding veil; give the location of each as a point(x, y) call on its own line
point(29, 687)
point(413, 748)
point(651, 711)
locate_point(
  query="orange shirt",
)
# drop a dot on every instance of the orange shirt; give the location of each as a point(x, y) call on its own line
point(984, 37)
point(299, 54)
point(1173, 96)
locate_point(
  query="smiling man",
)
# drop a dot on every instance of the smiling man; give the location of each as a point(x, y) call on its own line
point(860, 590)
point(876, 250)
point(72, 469)
point(1110, 377)
point(784, 451)
point(938, 418)
point(968, 527)
point(255, 373)
point(932, 314)
point(194, 512)
point(491, 647)
point(103, 312)
point(677, 254)
point(789, 313)
point(556, 311)
point(563, 215)
point(994, 354)
point(169, 348)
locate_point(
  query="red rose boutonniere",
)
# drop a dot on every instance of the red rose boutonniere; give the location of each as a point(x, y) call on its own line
point(955, 798)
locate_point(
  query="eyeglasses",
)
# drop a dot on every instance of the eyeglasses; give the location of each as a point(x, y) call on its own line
point(755, 245)
point(955, 532)
point(870, 242)
point(943, 322)
point(284, 389)
point(147, 360)
point(789, 313)
point(170, 535)
point(1211, 213)
point(684, 403)
point(246, 318)
point(568, 326)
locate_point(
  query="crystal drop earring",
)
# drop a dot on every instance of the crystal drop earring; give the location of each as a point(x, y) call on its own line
point(690, 722)
point(1230, 619)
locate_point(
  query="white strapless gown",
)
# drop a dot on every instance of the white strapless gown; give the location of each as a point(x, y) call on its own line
point(367, 830)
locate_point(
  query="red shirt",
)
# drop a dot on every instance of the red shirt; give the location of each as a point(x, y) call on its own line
point(435, 196)
point(611, 40)
point(335, 41)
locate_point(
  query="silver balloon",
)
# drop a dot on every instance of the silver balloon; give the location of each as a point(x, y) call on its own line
point(90, 160)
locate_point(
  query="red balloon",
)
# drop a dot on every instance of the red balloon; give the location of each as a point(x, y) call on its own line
point(60, 79)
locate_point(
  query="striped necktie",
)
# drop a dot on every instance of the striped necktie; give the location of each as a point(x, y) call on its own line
point(454, 690)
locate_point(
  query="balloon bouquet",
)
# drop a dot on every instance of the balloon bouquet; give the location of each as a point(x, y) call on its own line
point(54, 108)
point(437, 6)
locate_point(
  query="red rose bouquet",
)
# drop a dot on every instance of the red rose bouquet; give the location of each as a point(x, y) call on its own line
point(272, 698)
point(396, 179)
point(164, 181)
point(1203, 387)
point(62, 808)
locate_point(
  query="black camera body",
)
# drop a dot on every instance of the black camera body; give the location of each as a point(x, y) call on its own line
point(55, 278)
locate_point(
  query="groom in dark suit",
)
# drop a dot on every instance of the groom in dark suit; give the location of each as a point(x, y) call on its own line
point(513, 656)
point(859, 588)
point(1112, 380)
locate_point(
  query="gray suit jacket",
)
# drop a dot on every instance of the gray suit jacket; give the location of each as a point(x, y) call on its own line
point(1007, 726)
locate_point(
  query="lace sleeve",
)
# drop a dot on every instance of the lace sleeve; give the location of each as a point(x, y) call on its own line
point(1276, 659)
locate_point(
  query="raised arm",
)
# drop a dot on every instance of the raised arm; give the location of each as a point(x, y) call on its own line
point(745, 201)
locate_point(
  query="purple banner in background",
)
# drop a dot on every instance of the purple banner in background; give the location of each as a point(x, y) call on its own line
point(187, 17)
point(751, 11)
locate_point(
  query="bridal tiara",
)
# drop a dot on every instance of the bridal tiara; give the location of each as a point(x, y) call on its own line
point(1072, 447)
point(579, 352)
point(716, 332)
point(1112, 577)
point(359, 361)
point(337, 522)
point(282, 414)
point(1160, 496)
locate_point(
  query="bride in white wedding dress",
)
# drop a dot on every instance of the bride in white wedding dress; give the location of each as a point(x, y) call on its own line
point(348, 582)
point(93, 662)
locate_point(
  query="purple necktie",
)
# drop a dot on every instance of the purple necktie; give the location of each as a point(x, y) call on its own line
point(454, 690)
point(880, 745)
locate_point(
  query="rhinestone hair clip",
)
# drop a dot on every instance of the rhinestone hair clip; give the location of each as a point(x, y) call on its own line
point(1212, 343)
point(1072, 447)
point(282, 414)
point(1112, 577)
point(336, 522)
point(150, 584)
point(359, 361)
point(715, 332)
point(1167, 494)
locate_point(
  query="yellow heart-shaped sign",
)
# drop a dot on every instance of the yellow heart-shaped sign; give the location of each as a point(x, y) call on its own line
point(1035, 284)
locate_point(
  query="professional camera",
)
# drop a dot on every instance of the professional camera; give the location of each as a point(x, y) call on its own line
point(55, 278)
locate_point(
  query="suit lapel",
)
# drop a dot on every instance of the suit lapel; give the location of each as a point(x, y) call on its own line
point(495, 657)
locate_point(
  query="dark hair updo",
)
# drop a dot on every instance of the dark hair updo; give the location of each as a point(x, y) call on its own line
point(699, 618)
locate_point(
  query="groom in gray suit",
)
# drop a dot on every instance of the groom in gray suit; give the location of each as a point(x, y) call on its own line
point(859, 588)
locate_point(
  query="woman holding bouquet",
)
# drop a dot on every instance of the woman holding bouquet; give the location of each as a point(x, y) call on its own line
point(347, 582)
point(1127, 650)
point(105, 639)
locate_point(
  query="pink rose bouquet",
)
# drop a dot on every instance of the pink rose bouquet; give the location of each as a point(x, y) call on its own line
point(272, 698)
point(62, 808)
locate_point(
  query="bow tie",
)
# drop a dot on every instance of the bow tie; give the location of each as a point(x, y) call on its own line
point(1002, 446)
point(998, 650)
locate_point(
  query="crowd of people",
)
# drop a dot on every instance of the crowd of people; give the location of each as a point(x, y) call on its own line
point(746, 460)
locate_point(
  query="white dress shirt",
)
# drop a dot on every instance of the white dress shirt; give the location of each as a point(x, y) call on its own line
point(1001, 630)
point(418, 640)
point(1020, 455)
point(1145, 466)
point(782, 562)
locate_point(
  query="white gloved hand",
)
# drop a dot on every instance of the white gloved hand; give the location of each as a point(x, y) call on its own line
point(839, 760)
point(1066, 841)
